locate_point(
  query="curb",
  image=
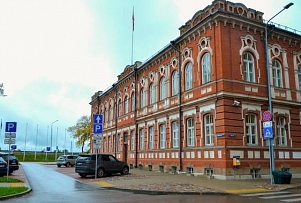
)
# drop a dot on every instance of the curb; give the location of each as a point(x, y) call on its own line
point(26, 184)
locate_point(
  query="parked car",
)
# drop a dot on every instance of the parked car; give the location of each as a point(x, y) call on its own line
point(107, 164)
point(66, 160)
point(11, 160)
point(3, 167)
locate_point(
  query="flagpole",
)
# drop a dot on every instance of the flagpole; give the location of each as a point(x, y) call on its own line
point(133, 22)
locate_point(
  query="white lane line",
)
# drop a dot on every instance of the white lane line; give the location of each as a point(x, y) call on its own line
point(264, 193)
point(292, 200)
point(280, 196)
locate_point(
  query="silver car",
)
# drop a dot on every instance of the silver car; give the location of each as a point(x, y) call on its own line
point(66, 160)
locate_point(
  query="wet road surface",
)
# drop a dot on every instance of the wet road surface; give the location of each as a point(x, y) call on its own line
point(50, 186)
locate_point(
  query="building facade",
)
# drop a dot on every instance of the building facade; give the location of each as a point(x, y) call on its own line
point(197, 105)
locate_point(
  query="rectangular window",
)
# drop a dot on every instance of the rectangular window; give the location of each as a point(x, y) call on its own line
point(133, 140)
point(190, 132)
point(175, 135)
point(141, 139)
point(281, 132)
point(162, 136)
point(251, 129)
point(151, 137)
point(208, 122)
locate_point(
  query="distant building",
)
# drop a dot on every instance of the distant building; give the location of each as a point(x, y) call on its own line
point(217, 116)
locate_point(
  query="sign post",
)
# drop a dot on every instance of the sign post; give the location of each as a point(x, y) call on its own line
point(10, 138)
point(97, 136)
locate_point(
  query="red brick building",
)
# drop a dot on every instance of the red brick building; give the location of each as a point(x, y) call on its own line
point(215, 113)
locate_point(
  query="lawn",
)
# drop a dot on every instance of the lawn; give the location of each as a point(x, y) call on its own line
point(5, 191)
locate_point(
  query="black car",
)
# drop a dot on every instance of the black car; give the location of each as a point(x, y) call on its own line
point(13, 161)
point(107, 164)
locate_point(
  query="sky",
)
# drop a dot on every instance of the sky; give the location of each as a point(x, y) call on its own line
point(54, 55)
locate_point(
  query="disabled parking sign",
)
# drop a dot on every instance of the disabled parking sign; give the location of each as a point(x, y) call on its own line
point(268, 130)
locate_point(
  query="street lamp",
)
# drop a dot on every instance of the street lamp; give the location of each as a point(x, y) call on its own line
point(271, 140)
point(51, 134)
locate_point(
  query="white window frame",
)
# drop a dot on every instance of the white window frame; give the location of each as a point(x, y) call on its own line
point(281, 132)
point(151, 137)
point(133, 140)
point(141, 139)
point(110, 113)
point(208, 126)
point(126, 105)
point(175, 135)
point(251, 129)
point(162, 89)
point(206, 68)
point(142, 94)
point(133, 101)
point(188, 76)
point(190, 132)
point(299, 77)
point(249, 69)
point(175, 83)
point(277, 74)
point(162, 136)
point(152, 93)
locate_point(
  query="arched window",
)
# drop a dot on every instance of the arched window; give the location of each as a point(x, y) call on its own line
point(206, 68)
point(162, 89)
point(188, 76)
point(190, 132)
point(277, 73)
point(251, 129)
point(281, 132)
point(126, 105)
point(133, 101)
point(110, 113)
point(152, 94)
point(175, 83)
point(175, 135)
point(208, 126)
point(142, 98)
point(106, 115)
point(249, 71)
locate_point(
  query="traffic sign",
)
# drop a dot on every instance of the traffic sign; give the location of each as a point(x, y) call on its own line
point(267, 115)
point(13, 147)
point(96, 144)
point(11, 127)
point(97, 128)
point(268, 130)
point(10, 135)
point(9, 141)
point(97, 136)
point(97, 118)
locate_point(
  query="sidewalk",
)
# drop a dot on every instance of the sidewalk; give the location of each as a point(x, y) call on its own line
point(143, 181)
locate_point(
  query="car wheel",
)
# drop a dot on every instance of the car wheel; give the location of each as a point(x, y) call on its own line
point(59, 166)
point(100, 173)
point(83, 175)
point(67, 164)
point(125, 171)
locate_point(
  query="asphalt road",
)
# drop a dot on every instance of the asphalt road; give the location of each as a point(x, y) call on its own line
point(49, 185)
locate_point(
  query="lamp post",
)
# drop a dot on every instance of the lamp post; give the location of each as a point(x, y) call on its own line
point(271, 140)
point(173, 45)
point(51, 134)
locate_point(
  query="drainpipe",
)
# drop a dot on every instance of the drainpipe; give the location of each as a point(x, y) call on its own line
point(173, 45)
point(135, 119)
point(114, 85)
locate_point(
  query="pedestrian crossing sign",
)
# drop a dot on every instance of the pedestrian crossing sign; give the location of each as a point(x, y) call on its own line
point(268, 130)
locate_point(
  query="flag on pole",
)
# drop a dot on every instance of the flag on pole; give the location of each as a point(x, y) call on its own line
point(133, 19)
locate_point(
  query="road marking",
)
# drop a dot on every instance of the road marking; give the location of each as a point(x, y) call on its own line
point(264, 193)
point(250, 190)
point(292, 200)
point(281, 196)
point(104, 184)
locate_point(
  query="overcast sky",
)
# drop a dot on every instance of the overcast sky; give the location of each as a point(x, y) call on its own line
point(55, 54)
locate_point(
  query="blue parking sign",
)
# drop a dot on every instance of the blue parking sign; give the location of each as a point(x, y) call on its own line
point(97, 129)
point(11, 127)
